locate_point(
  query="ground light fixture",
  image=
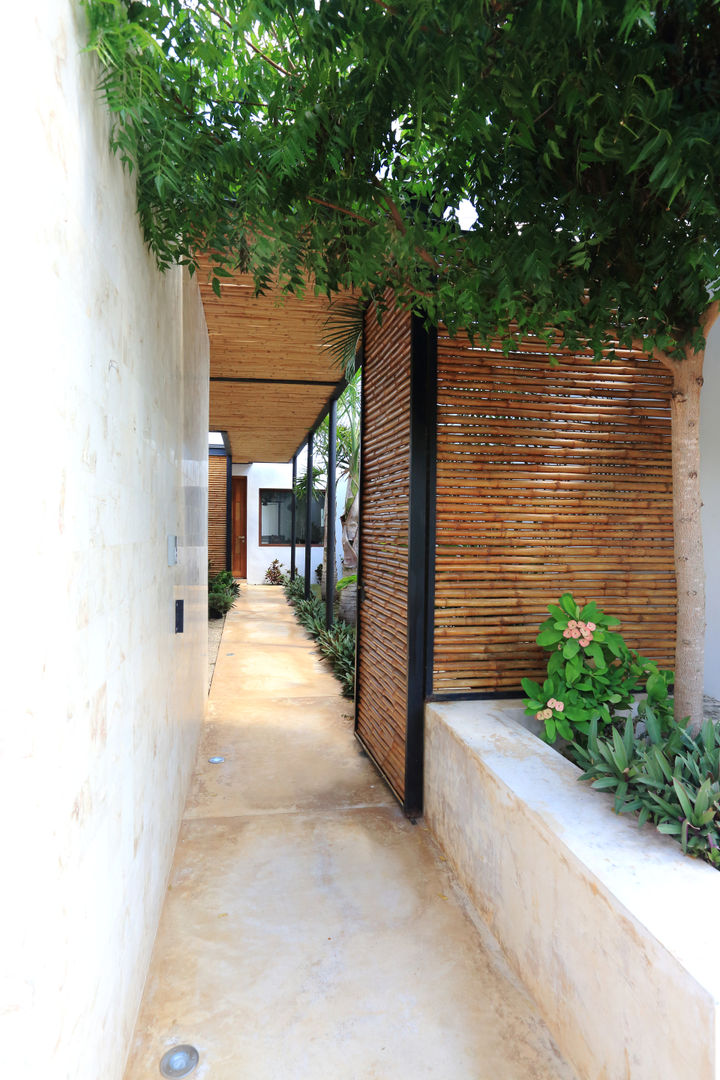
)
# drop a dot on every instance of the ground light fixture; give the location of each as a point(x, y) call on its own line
point(179, 1061)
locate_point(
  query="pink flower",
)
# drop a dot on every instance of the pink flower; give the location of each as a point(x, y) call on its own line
point(567, 633)
point(575, 634)
point(591, 626)
point(551, 703)
point(559, 705)
point(584, 641)
point(572, 624)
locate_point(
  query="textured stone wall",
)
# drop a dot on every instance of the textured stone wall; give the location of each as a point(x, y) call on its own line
point(710, 489)
point(104, 428)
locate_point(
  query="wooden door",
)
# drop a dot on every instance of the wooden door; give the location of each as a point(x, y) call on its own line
point(239, 526)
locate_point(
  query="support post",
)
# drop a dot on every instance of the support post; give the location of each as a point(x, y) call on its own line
point(329, 568)
point(421, 552)
point(308, 515)
point(293, 521)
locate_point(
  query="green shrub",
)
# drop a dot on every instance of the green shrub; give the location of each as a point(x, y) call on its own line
point(274, 574)
point(336, 644)
point(295, 588)
point(592, 675)
point(671, 780)
point(311, 613)
point(224, 580)
point(219, 603)
point(223, 590)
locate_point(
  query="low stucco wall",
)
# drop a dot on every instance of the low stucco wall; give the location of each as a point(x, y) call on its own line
point(610, 927)
point(105, 432)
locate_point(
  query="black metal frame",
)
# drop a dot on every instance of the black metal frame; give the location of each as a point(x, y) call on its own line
point(293, 520)
point(477, 695)
point(271, 382)
point(308, 513)
point(421, 551)
point(339, 391)
point(421, 557)
point(329, 568)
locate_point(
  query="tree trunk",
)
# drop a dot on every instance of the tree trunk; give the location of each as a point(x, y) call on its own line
point(689, 562)
point(350, 539)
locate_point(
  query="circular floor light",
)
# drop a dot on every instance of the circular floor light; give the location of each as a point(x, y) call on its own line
point(178, 1062)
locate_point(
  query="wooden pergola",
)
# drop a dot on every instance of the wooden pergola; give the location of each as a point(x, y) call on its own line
point(272, 382)
point(271, 376)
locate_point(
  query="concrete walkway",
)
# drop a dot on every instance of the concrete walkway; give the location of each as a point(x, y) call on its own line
point(310, 931)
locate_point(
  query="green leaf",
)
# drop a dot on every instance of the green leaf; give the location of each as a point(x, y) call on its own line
point(568, 605)
point(531, 688)
point(683, 797)
point(654, 728)
point(656, 687)
point(570, 648)
point(596, 653)
point(548, 637)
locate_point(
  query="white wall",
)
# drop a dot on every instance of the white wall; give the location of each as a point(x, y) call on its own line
point(104, 430)
point(276, 475)
point(710, 488)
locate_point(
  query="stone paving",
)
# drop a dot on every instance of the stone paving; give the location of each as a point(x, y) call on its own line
point(310, 931)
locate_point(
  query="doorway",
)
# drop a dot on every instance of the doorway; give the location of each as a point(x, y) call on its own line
point(239, 526)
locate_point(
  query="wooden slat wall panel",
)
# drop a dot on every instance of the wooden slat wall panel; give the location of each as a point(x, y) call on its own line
point(217, 512)
point(549, 478)
point(383, 645)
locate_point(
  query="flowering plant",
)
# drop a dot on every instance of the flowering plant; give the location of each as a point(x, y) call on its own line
point(591, 673)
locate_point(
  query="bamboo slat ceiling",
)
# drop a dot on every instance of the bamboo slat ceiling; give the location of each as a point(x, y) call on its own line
point(270, 374)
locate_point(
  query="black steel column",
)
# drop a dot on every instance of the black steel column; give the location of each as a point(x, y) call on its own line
point(293, 522)
point(421, 551)
point(308, 515)
point(329, 568)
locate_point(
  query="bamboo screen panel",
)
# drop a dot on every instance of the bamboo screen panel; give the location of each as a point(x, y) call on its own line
point(217, 512)
point(550, 479)
point(383, 642)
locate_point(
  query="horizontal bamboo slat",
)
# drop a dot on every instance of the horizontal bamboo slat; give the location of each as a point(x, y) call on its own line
point(217, 512)
point(383, 645)
point(549, 478)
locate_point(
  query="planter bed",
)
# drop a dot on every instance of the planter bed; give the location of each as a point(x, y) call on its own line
point(610, 927)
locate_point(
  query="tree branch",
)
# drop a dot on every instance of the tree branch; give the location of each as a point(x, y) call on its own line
point(340, 210)
point(400, 224)
point(222, 18)
point(278, 67)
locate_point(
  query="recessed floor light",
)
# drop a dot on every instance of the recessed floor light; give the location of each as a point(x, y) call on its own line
point(179, 1062)
point(216, 760)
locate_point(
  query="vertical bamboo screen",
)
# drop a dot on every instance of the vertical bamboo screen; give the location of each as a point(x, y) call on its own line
point(549, 478)
point(385, 485)
point(217, 512)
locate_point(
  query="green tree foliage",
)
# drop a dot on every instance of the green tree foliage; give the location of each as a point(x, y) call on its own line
point(341, 139)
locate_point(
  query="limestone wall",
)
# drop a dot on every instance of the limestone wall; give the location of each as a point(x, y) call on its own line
point(710, 487)
point(104, 432)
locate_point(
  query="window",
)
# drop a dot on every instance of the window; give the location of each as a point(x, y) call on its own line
point(276, 517)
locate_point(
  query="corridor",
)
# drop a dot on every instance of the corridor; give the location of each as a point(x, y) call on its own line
point(311, 931)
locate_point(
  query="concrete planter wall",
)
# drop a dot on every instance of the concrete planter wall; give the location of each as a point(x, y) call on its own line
point(611, 928)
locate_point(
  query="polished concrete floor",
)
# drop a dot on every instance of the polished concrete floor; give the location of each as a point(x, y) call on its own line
point(310, 931)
